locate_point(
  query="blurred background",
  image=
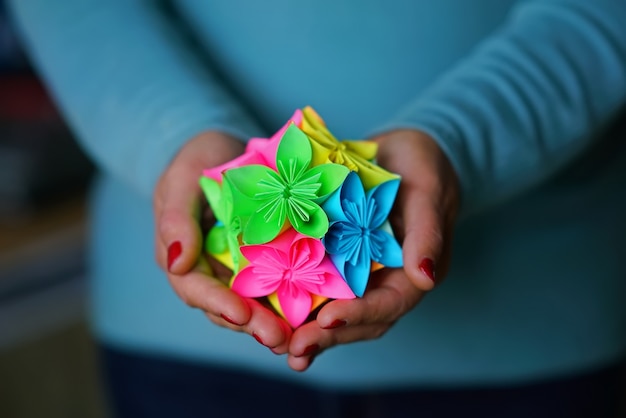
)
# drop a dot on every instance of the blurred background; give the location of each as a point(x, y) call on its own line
point(48, 361)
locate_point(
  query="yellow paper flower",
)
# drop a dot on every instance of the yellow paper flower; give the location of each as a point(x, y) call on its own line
point(356, 155)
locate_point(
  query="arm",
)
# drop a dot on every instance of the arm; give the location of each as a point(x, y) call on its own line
point(147, 108)
point(129, 84)
point(529, 100)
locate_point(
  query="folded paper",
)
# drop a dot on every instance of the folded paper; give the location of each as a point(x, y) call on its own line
point(355, 155)
point(292, 193)
point(356, 236)
point(302, 217)
point(294, 267)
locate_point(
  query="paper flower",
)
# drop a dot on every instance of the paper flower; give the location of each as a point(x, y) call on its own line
point(356, 236)
point(222, 241)
point(353, 154)
point(294, 267)
point(267, 148)
point(258, 151)
point(302, 217)
point(247, 158)
point(292, 193)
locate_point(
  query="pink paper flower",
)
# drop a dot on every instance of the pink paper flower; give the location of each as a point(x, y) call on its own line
point(294, 267)
point(247, 158)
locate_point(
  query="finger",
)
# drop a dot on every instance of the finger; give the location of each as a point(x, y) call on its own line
point(389, 296)
point(177, 222)
point(314, 344)
point(178, 204)
point(199, 290)
point(267, 328)
point(426, 205)
point(264, 326)
point(343, 321)
point(423, 238)
point(300, 364)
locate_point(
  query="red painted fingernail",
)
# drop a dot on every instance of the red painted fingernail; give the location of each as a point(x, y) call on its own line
point(256, 337)
point(173, 252)
point(310, 350)
point(428, 268)
point(336, 324)
point(229, 320)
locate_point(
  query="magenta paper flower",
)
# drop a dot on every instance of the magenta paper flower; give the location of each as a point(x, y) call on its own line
point(294, 267)
point(247, 158)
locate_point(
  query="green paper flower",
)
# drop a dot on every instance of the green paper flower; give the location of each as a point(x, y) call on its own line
point(292, 193)
point(223, 236)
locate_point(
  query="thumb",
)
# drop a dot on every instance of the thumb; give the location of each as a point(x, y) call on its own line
point(422, 248)
point(426, 205)
point(177, 214)
point(178, 202)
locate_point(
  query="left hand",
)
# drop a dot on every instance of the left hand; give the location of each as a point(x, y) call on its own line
point(423, 219)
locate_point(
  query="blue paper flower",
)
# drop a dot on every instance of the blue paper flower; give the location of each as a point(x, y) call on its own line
point(357, 233)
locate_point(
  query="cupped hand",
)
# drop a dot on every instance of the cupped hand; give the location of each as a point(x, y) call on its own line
point(181, 217)
point(423, 220)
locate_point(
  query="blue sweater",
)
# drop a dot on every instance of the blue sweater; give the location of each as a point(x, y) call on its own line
point(521, 96)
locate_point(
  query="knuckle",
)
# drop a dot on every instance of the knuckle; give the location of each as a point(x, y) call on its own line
point(379, 331)
point(168, 219)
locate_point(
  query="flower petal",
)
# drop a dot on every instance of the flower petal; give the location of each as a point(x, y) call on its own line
point(294, 152)
point(358, 275)
point(246, 179)
point(371, 174)
point(351, 190)
point(384, 195)
point(267, 148)
point(317, 225)
point(262, 227)
point(306, 253)
point(213, 193)
point(245, 159)
point(331, 176)
point(364, 149)
point(295, 303)
point(216, 241)
point(388, 248)
point(249, 284)
point(334, 285)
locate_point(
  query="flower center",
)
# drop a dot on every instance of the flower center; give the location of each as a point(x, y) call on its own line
point(287, 275)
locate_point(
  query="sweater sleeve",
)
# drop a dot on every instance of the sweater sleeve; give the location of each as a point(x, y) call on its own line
point(130, 85)
point(529, 99)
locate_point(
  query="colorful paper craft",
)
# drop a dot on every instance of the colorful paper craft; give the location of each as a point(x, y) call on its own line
point(302, 217)
point(356, 236)
point(294, 267)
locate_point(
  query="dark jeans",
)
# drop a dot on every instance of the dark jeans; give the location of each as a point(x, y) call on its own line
point(144, 386)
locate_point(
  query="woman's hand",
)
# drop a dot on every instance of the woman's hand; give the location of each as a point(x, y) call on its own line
point(180, 215)
point(423, 220)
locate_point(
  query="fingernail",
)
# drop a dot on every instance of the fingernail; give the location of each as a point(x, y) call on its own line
point(173, 252)
point(259, 340)
point(229, 320)
point(335, 324)
point(428, 268)
point(313, 348)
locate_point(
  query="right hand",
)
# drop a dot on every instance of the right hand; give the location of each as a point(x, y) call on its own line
point(180, 212)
